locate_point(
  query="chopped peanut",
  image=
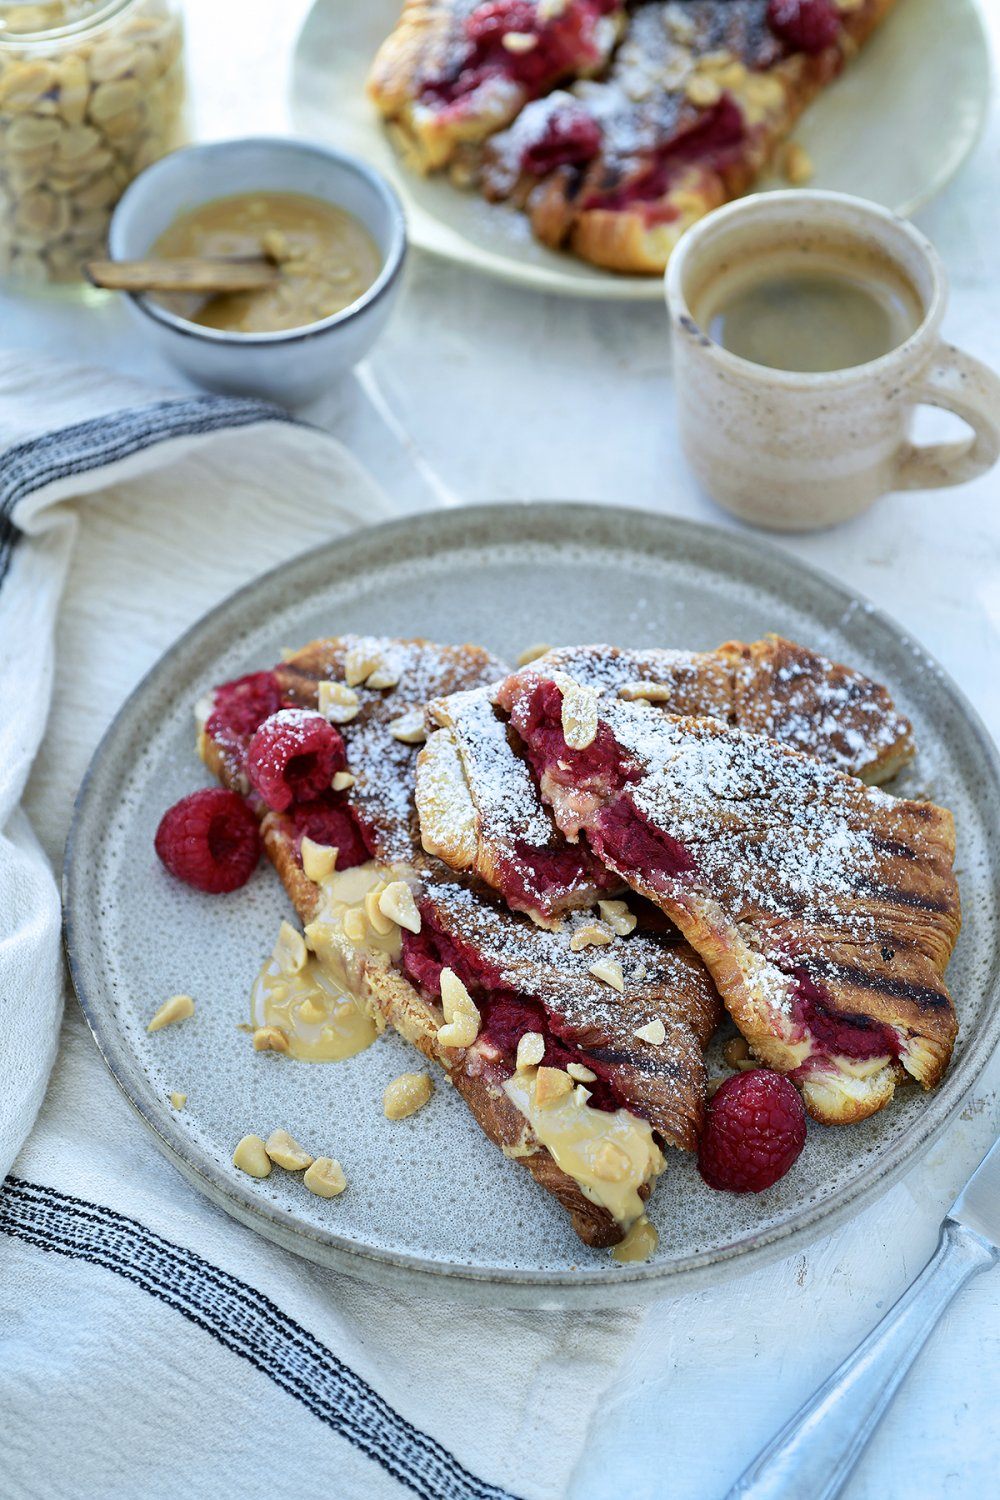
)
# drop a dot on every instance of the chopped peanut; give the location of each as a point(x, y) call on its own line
point(285, 1151)
point(580, 1073)
point(551, 1085)
point(654, 1032)
point(409, 728)
point(177, 1008)
point(406, 1094)
point(338, 703)
point(380, 923)
point(610, 1163)
point(796, 164)
point(593, 935)
point(318, 860)
point(460, 1013)
point(530, 1050)
point(610, 971)
point(325, 1177)
point(618, 917)
point(251, 1157)
point(579, 712)
point(396, 902)
point(270, 1039)
point(290, 950)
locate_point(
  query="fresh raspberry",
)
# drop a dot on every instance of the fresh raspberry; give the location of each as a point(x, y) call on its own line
point(755, 1130)
point(242, 706)
point(806, 25)
point(209, 840)
point(331, 822)
point(292, 757)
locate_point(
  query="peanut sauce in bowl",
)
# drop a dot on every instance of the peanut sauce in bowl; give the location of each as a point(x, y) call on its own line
point(331, 225)
point(325, 257)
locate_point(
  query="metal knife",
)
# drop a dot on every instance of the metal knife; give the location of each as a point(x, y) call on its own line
point(815, 1452)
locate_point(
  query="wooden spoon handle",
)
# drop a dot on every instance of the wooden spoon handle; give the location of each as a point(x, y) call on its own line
point(183, 274)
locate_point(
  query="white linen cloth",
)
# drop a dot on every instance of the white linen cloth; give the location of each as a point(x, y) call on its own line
point(149, 1346)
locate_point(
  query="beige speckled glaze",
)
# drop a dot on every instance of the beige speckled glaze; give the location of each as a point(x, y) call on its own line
point(794, 452)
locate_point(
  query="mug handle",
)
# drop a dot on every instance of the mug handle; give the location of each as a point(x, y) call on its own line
point(963, 385)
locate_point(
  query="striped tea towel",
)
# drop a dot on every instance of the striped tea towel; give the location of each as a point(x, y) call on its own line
point(148, 1345)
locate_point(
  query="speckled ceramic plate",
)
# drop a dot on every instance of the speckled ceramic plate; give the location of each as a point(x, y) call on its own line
point(430, 1200)
point(895, 128)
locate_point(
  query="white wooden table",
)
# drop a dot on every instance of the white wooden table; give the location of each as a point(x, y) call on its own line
point(479, 392)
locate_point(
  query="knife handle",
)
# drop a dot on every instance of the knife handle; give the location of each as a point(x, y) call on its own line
point(815, 1452)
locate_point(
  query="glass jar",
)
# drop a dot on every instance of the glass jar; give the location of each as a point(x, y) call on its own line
point(91, 91)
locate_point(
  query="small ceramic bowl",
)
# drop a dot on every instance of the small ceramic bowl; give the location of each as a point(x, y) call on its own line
point(290, 367)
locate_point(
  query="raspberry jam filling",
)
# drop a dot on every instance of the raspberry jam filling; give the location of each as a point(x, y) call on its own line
point(806, 25)
point(544, 52)
point(626, 838)
point(844, 1036)
point(710, 142)
point(330, 819)
point(542, 880)
point(570, 138)
point(506, 1016)
point(240, 707)
point(602, 766)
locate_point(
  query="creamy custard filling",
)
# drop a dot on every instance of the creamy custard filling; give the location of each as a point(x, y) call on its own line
point(639, 1243)
point(315, 992)
point(609, 1156)
point(320, 1021)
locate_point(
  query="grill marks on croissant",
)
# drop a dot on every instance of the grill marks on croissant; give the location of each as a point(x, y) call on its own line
point(787, 866)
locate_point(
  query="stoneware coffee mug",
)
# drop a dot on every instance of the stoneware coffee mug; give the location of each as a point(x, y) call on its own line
point(795, 451)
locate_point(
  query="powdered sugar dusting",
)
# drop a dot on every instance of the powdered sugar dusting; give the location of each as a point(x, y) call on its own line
point(663, 979)
point(384, 766)
point(773, 687)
